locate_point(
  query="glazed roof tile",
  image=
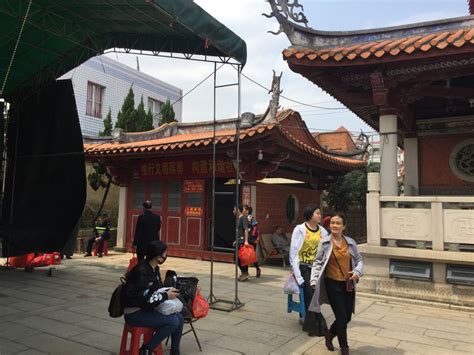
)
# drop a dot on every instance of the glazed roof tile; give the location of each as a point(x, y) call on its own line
point(292, 133)
point(387, 48)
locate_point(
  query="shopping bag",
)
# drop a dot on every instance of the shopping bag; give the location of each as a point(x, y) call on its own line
point(133, 261)
point(291, 286)
point(47, 259)
point(200, 306)
point(315, 324)
point(170, 307)
point(247, 255)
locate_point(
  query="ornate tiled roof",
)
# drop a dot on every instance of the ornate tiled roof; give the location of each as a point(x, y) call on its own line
point(288, 123)
point(398, 47)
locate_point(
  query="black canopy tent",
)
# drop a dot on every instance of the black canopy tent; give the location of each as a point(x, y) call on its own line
point(45, 180)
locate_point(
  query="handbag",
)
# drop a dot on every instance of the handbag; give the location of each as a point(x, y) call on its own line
point(349, 283)
point(291, 286)
point(315, 324)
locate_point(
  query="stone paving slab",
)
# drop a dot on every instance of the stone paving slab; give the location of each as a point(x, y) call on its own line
point(67, 314)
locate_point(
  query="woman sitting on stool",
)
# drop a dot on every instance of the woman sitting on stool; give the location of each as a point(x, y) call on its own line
point(142, 295)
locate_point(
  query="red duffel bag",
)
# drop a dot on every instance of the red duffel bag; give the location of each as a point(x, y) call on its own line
point(247, 255)
point(46, 260)
point(21, 260)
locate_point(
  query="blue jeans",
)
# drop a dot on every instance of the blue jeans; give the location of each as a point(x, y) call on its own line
point(165, 325)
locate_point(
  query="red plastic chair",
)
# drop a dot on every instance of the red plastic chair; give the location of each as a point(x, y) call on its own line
point(104, 249)
point(136, 334)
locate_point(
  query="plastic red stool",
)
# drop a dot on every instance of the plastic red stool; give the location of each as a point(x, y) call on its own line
point(136, 334)
point(104, 249)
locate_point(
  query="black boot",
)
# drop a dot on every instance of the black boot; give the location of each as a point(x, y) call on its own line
point(329, 337)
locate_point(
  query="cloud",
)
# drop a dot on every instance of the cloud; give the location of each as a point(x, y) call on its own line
point(264, 54)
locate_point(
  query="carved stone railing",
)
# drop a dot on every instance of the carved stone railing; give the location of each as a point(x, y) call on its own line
point(424, 222)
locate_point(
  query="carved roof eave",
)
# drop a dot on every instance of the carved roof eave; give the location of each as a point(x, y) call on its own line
point(300, 36)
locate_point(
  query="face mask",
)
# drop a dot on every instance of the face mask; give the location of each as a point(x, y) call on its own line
point(163, 259)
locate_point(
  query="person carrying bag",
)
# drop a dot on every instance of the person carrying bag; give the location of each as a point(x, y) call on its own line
point(336, 271)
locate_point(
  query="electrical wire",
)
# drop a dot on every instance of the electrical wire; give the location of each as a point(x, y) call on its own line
point(292, 100)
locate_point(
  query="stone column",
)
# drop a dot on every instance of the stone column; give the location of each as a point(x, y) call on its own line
point(122, 220)
point(411, 166)
point(388, 148)
point(373, 209)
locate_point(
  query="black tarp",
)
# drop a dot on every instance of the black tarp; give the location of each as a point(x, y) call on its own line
point(46, 180)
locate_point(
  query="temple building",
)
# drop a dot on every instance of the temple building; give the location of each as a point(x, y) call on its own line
point(282, 169)
point(414, 84)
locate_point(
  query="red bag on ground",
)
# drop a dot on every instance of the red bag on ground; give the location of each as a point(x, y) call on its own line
point(21, 260)
point(132, 263)
point(247, 255)
point(200, 306)
point(46, 260)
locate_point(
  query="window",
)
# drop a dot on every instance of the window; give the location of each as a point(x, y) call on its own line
point(138, 194)
point(412, 270)
point(174, 196)
point(194, 199)
point(95, 95)
point(460, 274)
point(291, 208)
point(155, 107)
point(461, 160)
point(157, 195)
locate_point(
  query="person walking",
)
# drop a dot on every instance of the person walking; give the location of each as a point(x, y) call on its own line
point(303, 247)
point(254, 235)
point(336, 271)
point(144, 291)
point(147, 230)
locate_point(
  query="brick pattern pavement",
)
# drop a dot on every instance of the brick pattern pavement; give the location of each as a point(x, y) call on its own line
point(67, 314)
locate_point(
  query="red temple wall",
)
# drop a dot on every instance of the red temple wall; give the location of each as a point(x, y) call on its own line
point(271, 205)
point(435, 174)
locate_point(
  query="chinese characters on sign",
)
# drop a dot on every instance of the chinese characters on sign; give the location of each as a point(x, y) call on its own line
point(186, 168)
point(193, 186)
point(246, 195)
point(193, 211)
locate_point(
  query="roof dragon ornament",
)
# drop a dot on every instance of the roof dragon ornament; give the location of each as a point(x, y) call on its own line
point(286, 10)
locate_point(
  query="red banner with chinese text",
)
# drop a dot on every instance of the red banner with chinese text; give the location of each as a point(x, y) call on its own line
point(185, 167)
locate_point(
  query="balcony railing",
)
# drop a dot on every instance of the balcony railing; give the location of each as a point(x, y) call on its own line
point(424, 222)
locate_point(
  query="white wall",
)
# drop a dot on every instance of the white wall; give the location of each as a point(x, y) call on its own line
point(116, 78)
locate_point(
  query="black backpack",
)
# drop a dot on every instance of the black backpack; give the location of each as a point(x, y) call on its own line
point(117, 300)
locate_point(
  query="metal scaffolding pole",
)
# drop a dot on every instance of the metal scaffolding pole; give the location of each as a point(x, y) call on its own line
point(216, 303)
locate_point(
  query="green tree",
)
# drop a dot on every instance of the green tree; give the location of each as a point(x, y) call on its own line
point(126, 118)
point(149, 119)
point(348, 191)
point(107, 125)
point(167, 113)
point(98, 178)
point(140, 116)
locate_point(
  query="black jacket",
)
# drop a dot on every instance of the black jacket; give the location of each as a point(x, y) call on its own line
point(142, 285)
point(148, 229)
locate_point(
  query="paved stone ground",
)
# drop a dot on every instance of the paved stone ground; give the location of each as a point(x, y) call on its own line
point(67, 314)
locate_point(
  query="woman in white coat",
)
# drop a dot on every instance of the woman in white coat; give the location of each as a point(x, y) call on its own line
point(336, 271)
point(303, 247)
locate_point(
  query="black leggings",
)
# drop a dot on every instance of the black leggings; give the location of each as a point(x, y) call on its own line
point(246, 267)
point(342, 303)
point(307, 289)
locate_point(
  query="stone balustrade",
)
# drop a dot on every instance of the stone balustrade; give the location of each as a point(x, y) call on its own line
point(425, 222)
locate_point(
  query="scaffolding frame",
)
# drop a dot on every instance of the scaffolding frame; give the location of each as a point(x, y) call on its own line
point(214, 302)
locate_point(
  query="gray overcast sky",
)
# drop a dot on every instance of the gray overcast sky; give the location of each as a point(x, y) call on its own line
point(264, 54)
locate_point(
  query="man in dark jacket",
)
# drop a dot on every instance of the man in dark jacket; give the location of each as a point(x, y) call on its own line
point(148, 229)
